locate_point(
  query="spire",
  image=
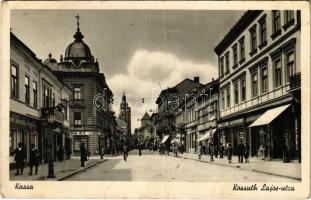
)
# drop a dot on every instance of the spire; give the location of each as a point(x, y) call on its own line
point(123, 96)
point(78, 35)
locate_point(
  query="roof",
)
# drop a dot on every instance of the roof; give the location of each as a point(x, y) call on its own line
point(246, 19)
point(145, 117)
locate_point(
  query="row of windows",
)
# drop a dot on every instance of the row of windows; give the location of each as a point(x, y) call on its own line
point(261, 73)
point(48, 98)
point(276, 31)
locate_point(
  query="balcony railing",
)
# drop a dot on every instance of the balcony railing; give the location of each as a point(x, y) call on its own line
point(295, 81)
point(58, 116)
point(77, 102)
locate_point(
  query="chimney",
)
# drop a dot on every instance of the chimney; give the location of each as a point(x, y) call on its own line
point(196, 79)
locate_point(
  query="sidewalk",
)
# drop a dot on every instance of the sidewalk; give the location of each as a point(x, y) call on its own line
point(277, 168)
point(62, 170)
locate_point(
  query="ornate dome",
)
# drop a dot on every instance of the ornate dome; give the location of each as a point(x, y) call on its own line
point(78, 50)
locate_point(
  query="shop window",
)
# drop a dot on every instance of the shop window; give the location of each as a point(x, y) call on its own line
point(46, 97)
point(27, 97)
point(277, 72)
point(14, 81)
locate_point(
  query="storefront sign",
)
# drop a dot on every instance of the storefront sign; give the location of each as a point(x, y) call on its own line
point(237, 121)
point(224, 124)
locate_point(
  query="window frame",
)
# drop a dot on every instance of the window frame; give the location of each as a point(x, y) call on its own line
point(253, 40)
point(254, 74)
point(77, 95)
point(277, 82)
point(236, 92)
point(265, 67)
point(35, 94)
point(227, 62)
point(242, 49)
point(288, 21)
point(276, 27)
point(228, 98)
point(27, 90)
point(243, 96)
point(293, 64)
point(77, 122)
point(14, 78)
point(262, 32)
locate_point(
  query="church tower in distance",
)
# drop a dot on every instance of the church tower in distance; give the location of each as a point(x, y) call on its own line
point(125, 113)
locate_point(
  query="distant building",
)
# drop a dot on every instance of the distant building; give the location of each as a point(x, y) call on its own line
point(80, 71)
point(125, 113)
point(259, 72)
point(168, 103)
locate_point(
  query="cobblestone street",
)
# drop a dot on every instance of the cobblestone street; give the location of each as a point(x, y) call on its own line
point(154, 167)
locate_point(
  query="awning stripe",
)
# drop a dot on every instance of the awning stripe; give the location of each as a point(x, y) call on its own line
point(165, 138)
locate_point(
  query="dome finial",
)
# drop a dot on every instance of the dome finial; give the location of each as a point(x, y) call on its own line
point(78, 18)
point(50, 55)
point(78, 36)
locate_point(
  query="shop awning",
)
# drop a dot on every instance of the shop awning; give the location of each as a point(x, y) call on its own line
point(204, 137)
point(269, 116)
point(165, 138)
point(207, 135)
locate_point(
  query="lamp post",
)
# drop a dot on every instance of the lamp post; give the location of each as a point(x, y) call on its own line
point(50, 119)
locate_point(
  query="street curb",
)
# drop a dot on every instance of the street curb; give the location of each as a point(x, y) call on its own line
point(242, 168)
point(80, 169)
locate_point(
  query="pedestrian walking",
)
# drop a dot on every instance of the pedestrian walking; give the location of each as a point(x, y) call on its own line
point(83, 154)
point(176, 150)
point(139, 148)
point(246, 154)
point(125, 151)
point(34, 160)
point(211, 152)
point(199, 150)
point(229, 152)
point(19, 158)
point(221, 150)
point(216, 151)
point(241, 151)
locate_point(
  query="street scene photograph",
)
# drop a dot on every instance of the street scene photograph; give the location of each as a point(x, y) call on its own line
point(155, 95)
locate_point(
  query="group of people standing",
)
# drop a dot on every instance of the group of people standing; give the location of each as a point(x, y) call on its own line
point(20, 156)
point(242, 151)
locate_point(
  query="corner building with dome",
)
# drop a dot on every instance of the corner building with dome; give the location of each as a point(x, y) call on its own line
point(88, 124)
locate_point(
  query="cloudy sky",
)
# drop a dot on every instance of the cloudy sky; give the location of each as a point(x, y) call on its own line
point(140, 52)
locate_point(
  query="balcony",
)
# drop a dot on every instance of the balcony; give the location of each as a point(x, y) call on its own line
point(77, 103)
point(52, 114)
point(295, 82)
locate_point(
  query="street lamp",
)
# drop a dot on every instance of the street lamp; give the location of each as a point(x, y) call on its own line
point(51, 120)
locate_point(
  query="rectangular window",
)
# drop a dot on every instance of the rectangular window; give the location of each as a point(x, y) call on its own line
point(290, 62)
point(77, 118)
point(263, 31)
point(242, 50)
point(46, 97)
point(228, 96)
point(288, 16)
point(277, 72)
point(53, 100)
point(227, 62)
point(236, 93)
point(223, 100)
point(253, 40)
point(235, 55)
point(243, 89)
point(276, 21)
point(221, 61)
point(14, 81)
point(264, 79)
point(254, 84)
point(35, 94)
point(77, 93)
point(27, 90)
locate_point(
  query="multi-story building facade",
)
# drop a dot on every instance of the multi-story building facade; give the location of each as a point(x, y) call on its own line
point(259, 68)
point(38, 104)
point(168, 103)
point(197, 116)
point(88, 123)
point(125, 114)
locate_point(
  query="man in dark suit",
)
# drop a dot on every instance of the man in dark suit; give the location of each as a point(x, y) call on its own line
point(20, 157)
point(34, 160)
point(83, 154)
